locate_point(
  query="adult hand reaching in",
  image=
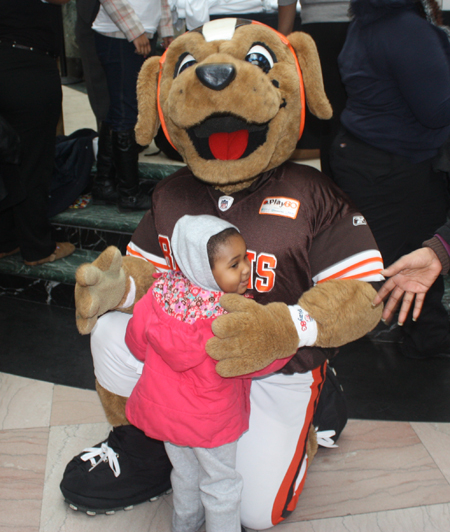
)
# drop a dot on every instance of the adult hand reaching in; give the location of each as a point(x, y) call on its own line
point(410, 278)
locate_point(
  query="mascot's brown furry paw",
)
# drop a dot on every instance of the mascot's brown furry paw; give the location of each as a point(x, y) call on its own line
point(100, 286)
point(248, 329)
point(244, 339)
point(325, 302)
point(104, 285)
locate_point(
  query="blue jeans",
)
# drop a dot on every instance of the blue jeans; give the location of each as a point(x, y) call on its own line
point(122, 66)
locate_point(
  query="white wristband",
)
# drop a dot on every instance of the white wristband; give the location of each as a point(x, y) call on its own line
point(131, 295)
point(306, 325)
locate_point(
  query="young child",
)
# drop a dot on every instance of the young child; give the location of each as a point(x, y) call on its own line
point(180, 399)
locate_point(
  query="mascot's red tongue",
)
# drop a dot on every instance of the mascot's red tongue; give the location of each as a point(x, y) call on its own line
point(228, 146)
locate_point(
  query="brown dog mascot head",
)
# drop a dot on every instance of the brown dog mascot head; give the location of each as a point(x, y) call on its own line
point(230, 97)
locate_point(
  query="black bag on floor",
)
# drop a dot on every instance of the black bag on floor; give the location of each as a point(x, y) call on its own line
point(74, 158)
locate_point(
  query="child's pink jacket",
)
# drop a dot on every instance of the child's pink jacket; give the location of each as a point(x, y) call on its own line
point(179, 397)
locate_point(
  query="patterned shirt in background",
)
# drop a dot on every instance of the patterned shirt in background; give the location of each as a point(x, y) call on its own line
point(124, 16)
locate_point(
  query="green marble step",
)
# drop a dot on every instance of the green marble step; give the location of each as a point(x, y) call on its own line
point(60, 271)
point(100, 217)
point(108, 217)
point(156, 170)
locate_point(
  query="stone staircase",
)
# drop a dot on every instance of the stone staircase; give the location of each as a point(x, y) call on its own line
point(92, 230)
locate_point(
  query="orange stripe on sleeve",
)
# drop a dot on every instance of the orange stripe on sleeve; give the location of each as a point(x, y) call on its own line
point(353, 267)
point(159, 265)
point(135, 253)
point(357, 276)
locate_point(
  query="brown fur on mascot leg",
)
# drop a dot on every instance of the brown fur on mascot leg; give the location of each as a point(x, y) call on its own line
point(311, 445)
point(113, 405)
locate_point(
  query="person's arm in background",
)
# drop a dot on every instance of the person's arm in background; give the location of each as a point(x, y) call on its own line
point(125, 18)
point(411, 276)
point(287, 11)
point(165, 28)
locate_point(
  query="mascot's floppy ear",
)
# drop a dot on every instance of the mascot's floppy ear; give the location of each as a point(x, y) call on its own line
point(147, 87)
point(309, 61)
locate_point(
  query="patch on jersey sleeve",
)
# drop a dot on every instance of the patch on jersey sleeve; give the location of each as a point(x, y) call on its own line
point(279, 206)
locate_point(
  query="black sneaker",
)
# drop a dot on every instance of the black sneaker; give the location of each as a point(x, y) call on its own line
point(128, 468)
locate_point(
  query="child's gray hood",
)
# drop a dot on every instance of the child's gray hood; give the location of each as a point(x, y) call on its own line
point(189, 245)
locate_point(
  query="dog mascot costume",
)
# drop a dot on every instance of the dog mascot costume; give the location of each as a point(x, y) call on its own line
point(230, 96)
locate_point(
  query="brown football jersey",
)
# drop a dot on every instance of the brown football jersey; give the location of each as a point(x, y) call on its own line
point(300, 229)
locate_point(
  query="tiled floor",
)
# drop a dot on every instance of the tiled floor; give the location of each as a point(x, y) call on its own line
point(386, 476)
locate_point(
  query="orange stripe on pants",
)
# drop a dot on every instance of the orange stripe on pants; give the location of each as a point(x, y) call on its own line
point(288, 495)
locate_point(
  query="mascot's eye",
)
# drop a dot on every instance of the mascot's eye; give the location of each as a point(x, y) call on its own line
point(184, 62)
point(261, 57)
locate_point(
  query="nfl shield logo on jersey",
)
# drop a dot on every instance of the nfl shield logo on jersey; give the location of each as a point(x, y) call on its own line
point(225, 202)
point(359, 220)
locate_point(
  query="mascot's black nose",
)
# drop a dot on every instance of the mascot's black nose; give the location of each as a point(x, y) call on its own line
point(216, 76)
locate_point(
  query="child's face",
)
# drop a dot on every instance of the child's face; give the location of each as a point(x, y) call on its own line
point(231, 266)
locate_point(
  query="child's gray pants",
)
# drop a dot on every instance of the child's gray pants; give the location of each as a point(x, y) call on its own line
point(207, 486)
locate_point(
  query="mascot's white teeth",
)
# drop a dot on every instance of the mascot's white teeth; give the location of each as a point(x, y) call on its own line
point(227, 137)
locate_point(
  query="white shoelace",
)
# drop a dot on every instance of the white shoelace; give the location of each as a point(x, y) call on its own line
point(105, 454)
point(324, 438)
